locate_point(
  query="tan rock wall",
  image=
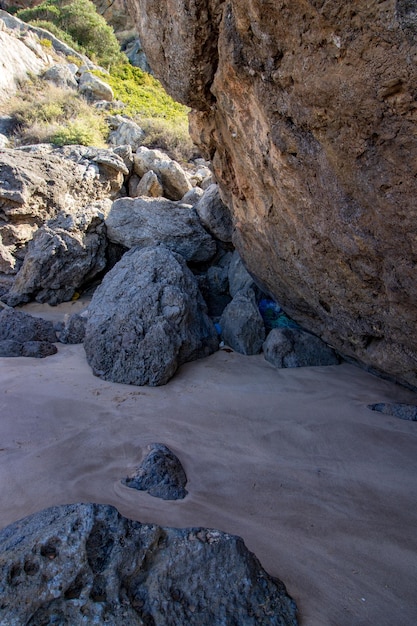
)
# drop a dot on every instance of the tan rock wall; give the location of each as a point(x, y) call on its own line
point(308, 111)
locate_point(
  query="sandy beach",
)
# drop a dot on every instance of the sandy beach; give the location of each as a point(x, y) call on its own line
point(322, 489)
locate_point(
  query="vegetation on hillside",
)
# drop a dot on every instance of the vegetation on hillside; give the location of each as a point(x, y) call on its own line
point(78, 24)
point(46, 113)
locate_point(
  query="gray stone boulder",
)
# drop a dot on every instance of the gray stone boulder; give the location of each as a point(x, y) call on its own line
point(239, 277)
point(149, 221)
point(215, 215)
point(242, 326)
point(86, 564)
point(73, 328)
point(61, 76)
point(93, 88)
point(24, 335)
point(38, 185)
point(192, 196)
point(63, 254)
point(124, 131)
point(174, 179)
point(160, 474)
point(149, 185)
point(292, 347)
point(146, 319)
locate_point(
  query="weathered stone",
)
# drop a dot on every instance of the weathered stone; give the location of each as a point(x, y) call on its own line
point(149, 185)
point(19, 56)
point(10, 347)
point(93, 88)
point(146, 319)
point(293, 347)
point(174, 179)
point(307, 111)
point(126, 154)
point(86, 564)
point(403, 411)
point(239, 277)
point(160, 474)
point(73, 330)
point(62, 256)
point(37, 185)
point(24, 335)
point(22, 327)
point(192, 196)
point(148, 221)
point(61, 76)
point(38, 349)
point(125, 132)
point(241, 324)
point(215, 215)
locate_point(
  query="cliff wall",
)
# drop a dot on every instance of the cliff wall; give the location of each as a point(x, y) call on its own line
point(307, 110)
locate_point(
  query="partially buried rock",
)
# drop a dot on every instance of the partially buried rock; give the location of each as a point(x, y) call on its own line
point(86, 564)
point(402, 411)
point(160, 474)
point(24, 335)
point(291, 347)
point(146, 319)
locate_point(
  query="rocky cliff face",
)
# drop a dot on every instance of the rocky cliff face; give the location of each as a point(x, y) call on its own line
point(308, 112)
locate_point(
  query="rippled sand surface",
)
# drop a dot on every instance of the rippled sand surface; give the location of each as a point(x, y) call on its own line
point(322, 489)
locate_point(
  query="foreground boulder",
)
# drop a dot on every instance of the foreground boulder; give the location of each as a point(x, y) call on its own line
point(146, 319)
point(86, 564)
point(149, 221)
point(307, 111)
point(160, 474)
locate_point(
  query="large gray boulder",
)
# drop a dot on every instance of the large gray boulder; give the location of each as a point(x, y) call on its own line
point(293, 347)
point(242, 325)
point(149, 221)
point(63, 255)
point(175, 180)
point(146, 319)
point(86, 564)
point(215, 215)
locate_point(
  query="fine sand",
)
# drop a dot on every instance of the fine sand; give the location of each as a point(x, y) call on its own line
point(323, 490)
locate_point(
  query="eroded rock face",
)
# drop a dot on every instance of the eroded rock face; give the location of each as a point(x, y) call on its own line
point(307, 110)
point(85, 563)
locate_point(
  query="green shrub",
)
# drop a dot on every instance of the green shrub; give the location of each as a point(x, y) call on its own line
point(142, 93)
point(47, 113)
point(80, 20)
point(88, 131)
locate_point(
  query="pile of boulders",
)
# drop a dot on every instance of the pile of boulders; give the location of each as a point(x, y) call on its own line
point(159, 239)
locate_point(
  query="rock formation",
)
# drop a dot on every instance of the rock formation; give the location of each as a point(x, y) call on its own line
point(86, 564)
point(160, 474)
point(41, 184)
point(146, 319)
point(149, 221)
point(307, 110)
